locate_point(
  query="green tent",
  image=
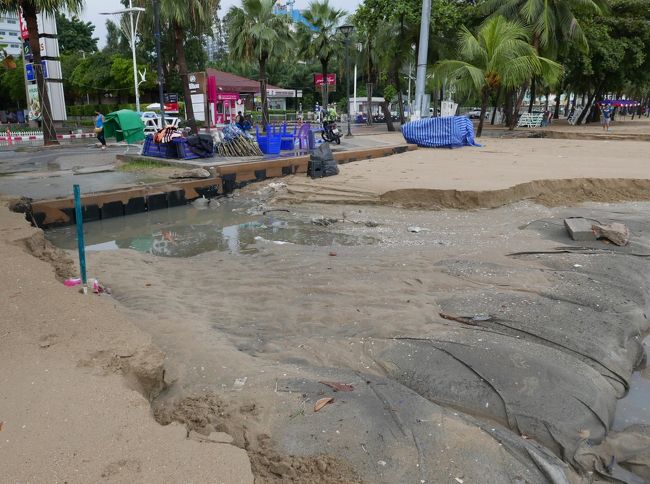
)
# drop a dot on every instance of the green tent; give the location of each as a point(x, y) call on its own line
point(124, 125)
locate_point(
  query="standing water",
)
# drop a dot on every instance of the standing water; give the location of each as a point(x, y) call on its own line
point(231, 225)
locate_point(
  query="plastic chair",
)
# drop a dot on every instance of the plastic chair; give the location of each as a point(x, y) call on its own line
point(288, 140)
point(303, 136)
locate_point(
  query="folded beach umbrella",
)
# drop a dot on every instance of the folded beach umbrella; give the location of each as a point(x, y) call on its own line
point(124, 125)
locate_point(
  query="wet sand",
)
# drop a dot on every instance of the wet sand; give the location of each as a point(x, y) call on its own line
point(484, 346)
point(256, 333)
point(74, 373)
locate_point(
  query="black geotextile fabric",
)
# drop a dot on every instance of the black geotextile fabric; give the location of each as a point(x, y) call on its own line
point(519, 383)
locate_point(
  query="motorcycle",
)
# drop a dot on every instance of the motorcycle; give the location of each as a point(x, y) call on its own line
point(331, 133)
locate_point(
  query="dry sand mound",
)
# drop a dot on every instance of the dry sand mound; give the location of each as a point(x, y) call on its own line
point(66, 413)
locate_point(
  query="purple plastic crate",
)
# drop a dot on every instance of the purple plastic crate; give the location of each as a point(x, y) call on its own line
point(158, 150)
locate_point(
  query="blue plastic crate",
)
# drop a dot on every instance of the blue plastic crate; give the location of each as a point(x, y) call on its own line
point(158, 150)
point(270, 145)
point(183, 151)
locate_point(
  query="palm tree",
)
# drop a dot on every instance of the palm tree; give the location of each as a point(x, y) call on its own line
point(498, 56)
point(552, 22)
point(30, 10)
point(255, 33)
point(318, 40)
point(195, 16)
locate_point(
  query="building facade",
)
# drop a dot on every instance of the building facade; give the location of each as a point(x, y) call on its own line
point(10, 39)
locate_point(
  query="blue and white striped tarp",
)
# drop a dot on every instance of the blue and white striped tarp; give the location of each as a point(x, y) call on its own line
point(448, 132)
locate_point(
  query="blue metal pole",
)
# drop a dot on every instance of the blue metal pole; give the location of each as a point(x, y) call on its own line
point(81, 246)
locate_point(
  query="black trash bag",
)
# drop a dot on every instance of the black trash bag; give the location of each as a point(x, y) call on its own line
point(201, 145)
point(322, 162)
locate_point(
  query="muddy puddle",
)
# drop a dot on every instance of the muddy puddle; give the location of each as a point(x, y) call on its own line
point(230, 225)
point(634, 408)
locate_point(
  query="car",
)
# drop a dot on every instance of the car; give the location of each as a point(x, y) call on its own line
point(476, 114)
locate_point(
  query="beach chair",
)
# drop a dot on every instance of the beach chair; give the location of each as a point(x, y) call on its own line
point(524, 121)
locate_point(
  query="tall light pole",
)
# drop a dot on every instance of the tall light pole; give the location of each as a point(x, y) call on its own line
point(423, 51)
point(131, 31)
point(346, 30)
point(161, 79)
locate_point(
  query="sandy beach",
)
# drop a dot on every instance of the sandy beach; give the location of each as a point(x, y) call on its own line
point(432, 298)
point(75, 373)
point(553, 172)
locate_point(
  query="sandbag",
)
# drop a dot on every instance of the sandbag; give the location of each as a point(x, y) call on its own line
point(322, 162)
point(201, 145)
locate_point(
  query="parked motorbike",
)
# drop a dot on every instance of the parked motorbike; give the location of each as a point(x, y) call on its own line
point(331, 133)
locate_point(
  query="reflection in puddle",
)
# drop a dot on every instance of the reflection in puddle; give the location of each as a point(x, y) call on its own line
point(186, 231)
point(635, 407)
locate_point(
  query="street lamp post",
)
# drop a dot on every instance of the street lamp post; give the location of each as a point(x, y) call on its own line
point(161, 91)
point(131, 31)
point(346, 30)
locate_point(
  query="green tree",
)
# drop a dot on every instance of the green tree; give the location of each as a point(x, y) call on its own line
point(319, 42)
point(93, 76)
point(181, 17)
point(116, 42)
point(75, 35)
point(30, 9)
point(255, 34)
point(12, 85)
point(498, 56)
point(552, 22)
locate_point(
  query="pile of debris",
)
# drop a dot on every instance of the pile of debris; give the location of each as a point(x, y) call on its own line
point(235, 142)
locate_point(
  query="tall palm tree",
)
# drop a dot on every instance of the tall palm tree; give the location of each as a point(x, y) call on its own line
point(498, 56)
point(256, 34)
point(552, 22)
point(30, 9)
point(319, 39)
point(182, 16)
point(553, 25)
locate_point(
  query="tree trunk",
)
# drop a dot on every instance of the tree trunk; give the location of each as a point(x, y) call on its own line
point(369, 86)
point(265, 106)
point(547, 93)
point(508, 106)
point(517, 107)
point(496, 106)
point(387, 116)
point(179, 36)
point(585, 111)
point(49, 133)
point(533, 89)
point(400, 98)
point(556, 113)
point(484, 104)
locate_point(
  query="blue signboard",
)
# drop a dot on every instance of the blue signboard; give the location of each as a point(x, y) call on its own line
point(31, 75)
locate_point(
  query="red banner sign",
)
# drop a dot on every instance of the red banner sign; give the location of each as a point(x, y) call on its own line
point(24, 33)
point(331, 80)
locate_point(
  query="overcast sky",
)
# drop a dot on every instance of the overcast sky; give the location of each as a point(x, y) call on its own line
point(93, 8)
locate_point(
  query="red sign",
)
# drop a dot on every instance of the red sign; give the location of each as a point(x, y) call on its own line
point(318, 80)
point(24, 33)
point(227, 96)
point(171, 107)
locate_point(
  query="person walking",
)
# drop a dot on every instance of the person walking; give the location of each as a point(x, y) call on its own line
point(99, 129)
point(606, 116)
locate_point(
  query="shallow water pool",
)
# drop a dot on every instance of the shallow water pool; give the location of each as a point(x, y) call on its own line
point(235, 226)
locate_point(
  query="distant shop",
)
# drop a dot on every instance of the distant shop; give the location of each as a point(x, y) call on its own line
point(218, 96)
